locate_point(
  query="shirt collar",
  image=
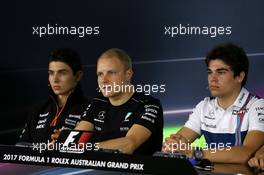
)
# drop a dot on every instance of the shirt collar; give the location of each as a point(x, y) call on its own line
point(242, 97)
point(240, 100)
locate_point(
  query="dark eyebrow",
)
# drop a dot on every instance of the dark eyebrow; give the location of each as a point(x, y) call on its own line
point(60, 70)
point(63, 70)
point(222, 69)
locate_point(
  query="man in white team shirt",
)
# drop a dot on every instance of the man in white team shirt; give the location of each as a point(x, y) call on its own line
point(232, 121)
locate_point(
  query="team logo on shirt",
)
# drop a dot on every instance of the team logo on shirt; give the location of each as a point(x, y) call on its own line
point(44, 115)
point(124, 129)
point(127, 117)
point(85, 112)
point(208, 125)
point(210, 118)
point(259, 108)
point(241, 98)
point(260, 114)
point(75, 116)
point(70, 122)
point(150, 113)
point(88, 106)
point(42, 120)
point(101, 115)
point(239, 112)
point(211, 113)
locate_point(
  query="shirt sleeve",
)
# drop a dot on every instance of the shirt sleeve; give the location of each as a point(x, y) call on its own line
point(256, 116)
point(151, 116)
point(194, 121)
point(26, 134)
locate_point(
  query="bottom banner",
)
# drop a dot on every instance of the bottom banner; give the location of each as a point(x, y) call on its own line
point(107, 160)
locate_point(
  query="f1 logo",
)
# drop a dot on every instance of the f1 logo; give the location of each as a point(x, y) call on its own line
point(84, 138)
point(70, 138)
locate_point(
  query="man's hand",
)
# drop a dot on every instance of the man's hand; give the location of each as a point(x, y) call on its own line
point(258, 160)
point(55, 135)
point(176, 143)
point(135, 137)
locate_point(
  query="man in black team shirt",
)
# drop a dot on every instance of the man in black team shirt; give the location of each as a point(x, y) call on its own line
point(66, 103)
point(123, 119)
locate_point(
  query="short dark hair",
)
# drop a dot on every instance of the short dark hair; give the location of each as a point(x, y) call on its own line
point(68, 56)
point(232, 55)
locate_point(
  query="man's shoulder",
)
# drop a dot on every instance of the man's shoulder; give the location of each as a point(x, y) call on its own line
point(144, 99)
point(207, 100)
point(35, 109)
point(256, 102)
point(255, 97)
point(99, 100)
point(42, 104)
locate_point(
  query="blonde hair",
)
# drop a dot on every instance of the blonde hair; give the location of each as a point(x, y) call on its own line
point(120, 54)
